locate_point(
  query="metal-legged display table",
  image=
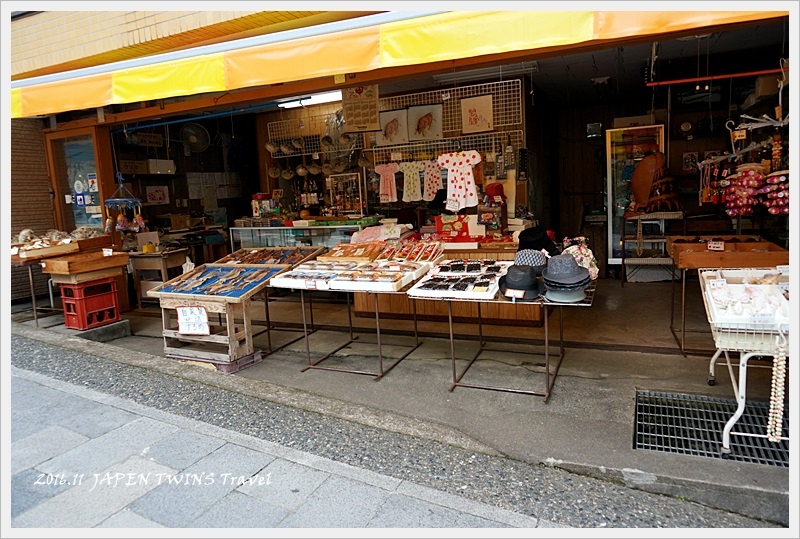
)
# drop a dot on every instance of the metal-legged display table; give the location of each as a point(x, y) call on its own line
point(29, 263)
point(550, 374)
point(315, 364)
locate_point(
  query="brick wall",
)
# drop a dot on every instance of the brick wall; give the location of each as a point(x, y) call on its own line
point(31, 205)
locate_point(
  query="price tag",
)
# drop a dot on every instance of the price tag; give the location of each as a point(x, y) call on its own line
point(193, 321)
point(763, 318)
point(397, 156)
point(311, 284)
point(385, 199)
point(778, 112)
point(716, 245)
point(498, 198)
point(277, 193)
point(784, 286)
point(717, 283)
point(14, 251)
point(782, 269)
point(451, 205)
point(514, 294)
point(108, 252)
point(740, 134)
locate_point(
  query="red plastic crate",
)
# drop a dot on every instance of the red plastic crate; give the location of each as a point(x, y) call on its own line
point(89, 288)
point(96, 304)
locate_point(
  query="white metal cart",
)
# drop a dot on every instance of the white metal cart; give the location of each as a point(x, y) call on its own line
point(762, 331)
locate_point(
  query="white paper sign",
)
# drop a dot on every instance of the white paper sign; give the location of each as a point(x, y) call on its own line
point(193, 321)
point(451, 205)
point(716, 245)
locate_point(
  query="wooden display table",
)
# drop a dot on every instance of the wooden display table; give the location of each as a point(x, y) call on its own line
point(162, 262)
point(502, 313)
point(693, 253)
point(221, 289)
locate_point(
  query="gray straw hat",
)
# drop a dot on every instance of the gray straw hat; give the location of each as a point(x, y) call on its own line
point(564, 269)
point(531, 257)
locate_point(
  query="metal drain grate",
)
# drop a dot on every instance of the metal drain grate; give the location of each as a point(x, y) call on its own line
point(693, 425)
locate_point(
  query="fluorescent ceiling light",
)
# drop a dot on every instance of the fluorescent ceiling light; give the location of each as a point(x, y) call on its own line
point(316, 99)
point(496, 72)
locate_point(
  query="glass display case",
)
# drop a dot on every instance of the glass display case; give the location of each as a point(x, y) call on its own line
point(291, 236)
point(625, 147)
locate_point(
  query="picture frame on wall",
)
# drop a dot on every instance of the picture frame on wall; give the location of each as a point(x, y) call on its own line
point(394, 127)
point(689, 162)
point(425, 122)
point(476, 114)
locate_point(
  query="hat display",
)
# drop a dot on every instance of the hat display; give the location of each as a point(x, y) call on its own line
point(531, 257)
point(536, 238)
point(564, 270)
point(521, 283)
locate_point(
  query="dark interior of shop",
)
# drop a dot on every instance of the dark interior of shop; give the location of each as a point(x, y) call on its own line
point(696, 85)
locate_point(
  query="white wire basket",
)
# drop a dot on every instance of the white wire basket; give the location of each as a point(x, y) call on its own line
point(759, 332)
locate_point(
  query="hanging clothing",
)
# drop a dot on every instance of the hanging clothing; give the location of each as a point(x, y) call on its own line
point(433, 179)
point(411, 181)
point(460, 180)
point(388, 191)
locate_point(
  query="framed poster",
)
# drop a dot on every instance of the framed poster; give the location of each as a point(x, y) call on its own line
point(425, 122)
point(394, 127)
point(157, 194)
point(476, 114)
point(689, 162)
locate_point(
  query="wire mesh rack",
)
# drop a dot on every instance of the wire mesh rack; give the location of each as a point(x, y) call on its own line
point(506, 103)
point(424, 150)
point(310, 135)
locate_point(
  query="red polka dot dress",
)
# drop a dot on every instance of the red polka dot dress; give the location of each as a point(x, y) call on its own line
point(460, 180)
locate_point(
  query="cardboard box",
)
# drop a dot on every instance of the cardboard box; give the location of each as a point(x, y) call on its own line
point(634, 121)
point(160, 166)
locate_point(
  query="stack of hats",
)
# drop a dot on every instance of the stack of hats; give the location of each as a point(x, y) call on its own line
point(536, 238)
point(565, 280)
point(520, 283)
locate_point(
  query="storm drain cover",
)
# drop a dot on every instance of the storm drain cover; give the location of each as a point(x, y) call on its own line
point(693, 425)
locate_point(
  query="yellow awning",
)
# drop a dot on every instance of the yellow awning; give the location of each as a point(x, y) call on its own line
point(432, 38)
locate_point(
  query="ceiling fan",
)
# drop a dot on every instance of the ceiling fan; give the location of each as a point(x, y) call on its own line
point(195, 138)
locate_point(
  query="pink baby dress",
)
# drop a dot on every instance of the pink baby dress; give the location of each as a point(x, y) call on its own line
point(388, 191)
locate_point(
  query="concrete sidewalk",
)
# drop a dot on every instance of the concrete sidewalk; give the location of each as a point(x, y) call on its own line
point(85, 459)
point(466, 444)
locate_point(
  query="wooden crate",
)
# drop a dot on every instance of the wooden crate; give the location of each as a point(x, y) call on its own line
point(53, 250)
point(747, 252)
point(84, 262)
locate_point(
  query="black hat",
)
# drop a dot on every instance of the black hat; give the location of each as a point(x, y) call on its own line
point(522, 280)
point(536, 238)
point(565, 270)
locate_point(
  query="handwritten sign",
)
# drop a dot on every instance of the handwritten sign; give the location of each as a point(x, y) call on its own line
point(717, 283)
point(277, 193)
point(193, 321)
point(451, 205)
point(716, 245)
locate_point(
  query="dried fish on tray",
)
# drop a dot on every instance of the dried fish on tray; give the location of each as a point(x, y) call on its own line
point(285, 256)
point(222, 282)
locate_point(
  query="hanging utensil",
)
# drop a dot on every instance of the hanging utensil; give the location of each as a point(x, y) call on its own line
point(287, 173)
